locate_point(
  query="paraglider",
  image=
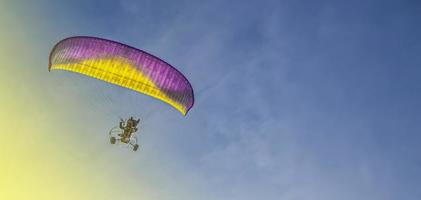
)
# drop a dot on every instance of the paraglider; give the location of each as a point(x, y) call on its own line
point(125, 133)
point(125, 66)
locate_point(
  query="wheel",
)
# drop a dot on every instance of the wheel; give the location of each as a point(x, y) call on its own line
point(135, 147)
point(112, 140)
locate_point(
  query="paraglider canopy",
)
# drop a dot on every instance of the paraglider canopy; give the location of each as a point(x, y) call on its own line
point(125, 66)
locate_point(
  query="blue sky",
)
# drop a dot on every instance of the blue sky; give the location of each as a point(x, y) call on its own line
point(294, 99)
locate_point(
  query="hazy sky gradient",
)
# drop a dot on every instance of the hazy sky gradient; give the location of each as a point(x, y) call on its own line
point(294, 99)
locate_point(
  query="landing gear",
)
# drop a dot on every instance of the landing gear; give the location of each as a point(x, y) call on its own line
point(112, 140)
point(135, 147)
point(117, 137)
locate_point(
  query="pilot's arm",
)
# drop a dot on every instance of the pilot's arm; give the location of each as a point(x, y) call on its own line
point(122, 125)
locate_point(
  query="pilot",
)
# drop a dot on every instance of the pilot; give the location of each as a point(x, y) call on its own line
point(129, 128)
